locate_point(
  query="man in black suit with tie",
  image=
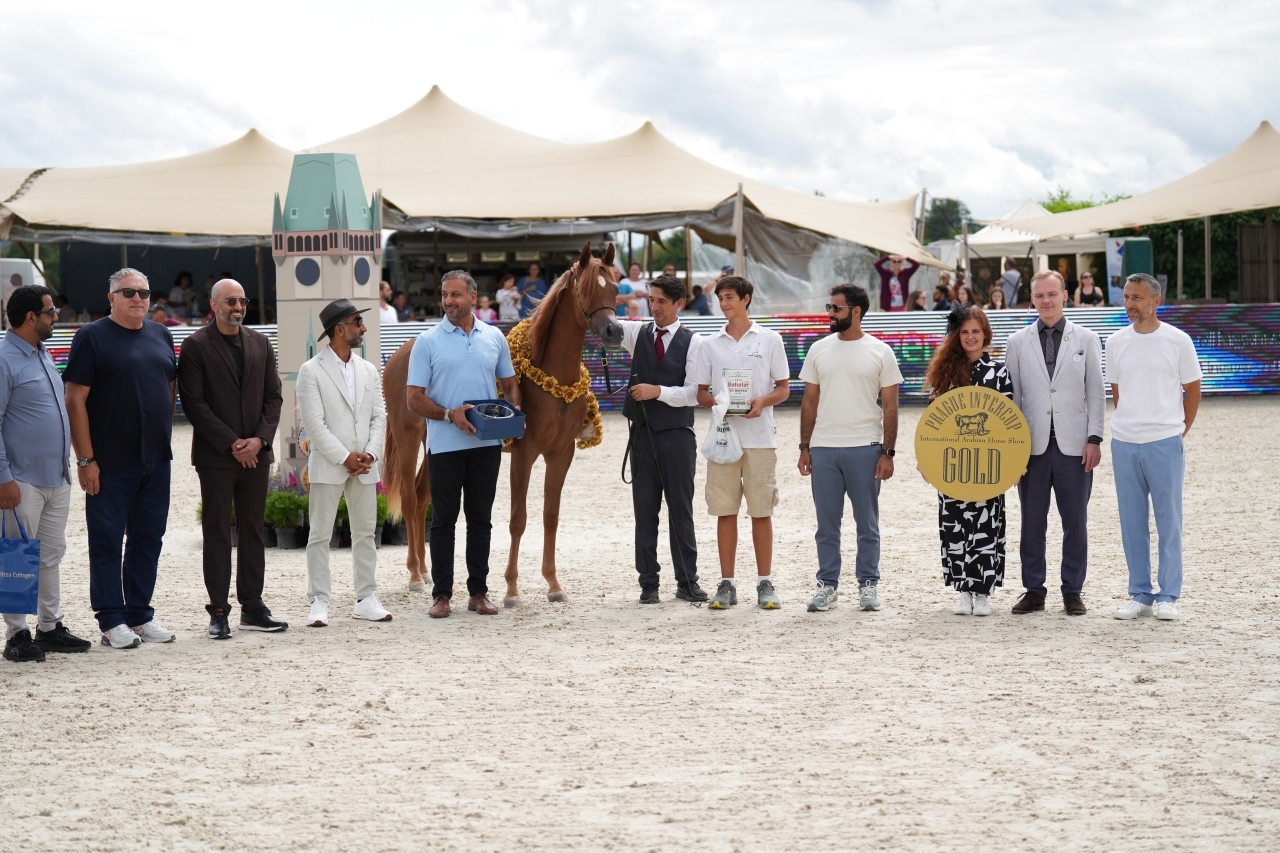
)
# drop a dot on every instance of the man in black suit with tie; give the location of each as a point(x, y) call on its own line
point(659, 406)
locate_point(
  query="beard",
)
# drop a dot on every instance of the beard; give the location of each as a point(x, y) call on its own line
point(838, 325)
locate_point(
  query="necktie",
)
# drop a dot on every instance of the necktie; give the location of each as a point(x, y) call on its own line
point(1049, 358)
point(658, 345)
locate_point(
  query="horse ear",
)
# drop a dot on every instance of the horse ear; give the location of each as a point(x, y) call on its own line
point(585, 257)
point(607, 258)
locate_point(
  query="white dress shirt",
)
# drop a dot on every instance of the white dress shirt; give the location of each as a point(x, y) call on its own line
point(348, 371)
point(672, 395)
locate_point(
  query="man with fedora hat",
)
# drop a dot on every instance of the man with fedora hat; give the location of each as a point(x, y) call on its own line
point(340, 399)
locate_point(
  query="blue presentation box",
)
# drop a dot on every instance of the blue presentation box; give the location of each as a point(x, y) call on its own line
point(494, 419)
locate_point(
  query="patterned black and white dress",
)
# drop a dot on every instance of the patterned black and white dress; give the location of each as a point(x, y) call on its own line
point(973, 532)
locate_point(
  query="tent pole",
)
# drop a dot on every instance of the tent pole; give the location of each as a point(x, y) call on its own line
point(124, 257)
point(739, 251)
point(924, 211)
point(435, 259)
point(262, 290)
point(688, 261)
point(1179, 264)
point(964, 235)
point(1271, 260)
point(1208, 262)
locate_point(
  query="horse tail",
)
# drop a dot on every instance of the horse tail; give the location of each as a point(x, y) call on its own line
point(394, 376)
point(391, 473)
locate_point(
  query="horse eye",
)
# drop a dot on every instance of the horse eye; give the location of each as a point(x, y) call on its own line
point(601, 280)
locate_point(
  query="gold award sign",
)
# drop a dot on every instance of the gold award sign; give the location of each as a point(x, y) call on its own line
point(973, 443)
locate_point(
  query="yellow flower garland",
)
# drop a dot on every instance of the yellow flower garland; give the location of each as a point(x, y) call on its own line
point(518, 342)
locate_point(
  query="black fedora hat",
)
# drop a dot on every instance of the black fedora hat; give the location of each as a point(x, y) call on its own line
point(337, 311)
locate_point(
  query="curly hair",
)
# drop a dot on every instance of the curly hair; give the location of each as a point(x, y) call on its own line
point(950, 367)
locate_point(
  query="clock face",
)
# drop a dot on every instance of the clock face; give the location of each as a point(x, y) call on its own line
point(307, 271)
point(362, 271)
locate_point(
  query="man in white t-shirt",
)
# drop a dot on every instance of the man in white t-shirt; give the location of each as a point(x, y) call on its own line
point(1155, 381)
point(848, 429)
point(1011, 283)
point(387, 315)
point(742, 344)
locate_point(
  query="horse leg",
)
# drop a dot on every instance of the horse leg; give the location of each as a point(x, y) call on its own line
point(557, 470)
point(421, 497)
point(521, 467)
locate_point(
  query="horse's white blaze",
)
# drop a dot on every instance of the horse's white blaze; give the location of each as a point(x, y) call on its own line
point(601, 280)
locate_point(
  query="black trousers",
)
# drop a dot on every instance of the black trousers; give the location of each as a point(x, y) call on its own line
point(662, 466)
point(1071, 486)
point(466, 481)
point(248, 488)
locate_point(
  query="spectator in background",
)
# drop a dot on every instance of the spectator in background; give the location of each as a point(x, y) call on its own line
point(944, 280)
point(698, 304)
point(15, 281)
point(623, 305)
point(895, 277)
point(508, 298)
point(941, 299)
point(964, 296)
point(181, 295)
point(638, 290)
point(386, 311)
point(670, 269)
point(532, 288)
point(1088, 296)
point(400, 301)
point(1010, 282)
point(66, 314)
point(161, 316)
point(633, 311)
point(917, 301)
point(483, 311)
point(997, 302)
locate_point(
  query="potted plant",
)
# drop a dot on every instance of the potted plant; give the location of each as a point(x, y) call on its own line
point(284, 514)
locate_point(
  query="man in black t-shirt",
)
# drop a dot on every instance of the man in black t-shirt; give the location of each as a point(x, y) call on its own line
point(120, 392)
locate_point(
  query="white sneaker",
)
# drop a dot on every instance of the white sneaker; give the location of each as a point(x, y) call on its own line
point(981, 605)
point(1133, 609)
point(964, 604)
point(319, 617)
point(370, 609)
point(1167, 611)
point(154, 632)
point(120, 637)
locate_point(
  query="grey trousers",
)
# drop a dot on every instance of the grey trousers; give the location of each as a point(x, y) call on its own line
point(839, 472)
point(362, 509)
point(44, 515)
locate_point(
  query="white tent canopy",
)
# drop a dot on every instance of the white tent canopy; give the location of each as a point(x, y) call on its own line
point(1008, 238)
point(1245, 178)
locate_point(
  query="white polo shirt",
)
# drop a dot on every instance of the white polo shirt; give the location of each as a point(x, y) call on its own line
point(761, 351)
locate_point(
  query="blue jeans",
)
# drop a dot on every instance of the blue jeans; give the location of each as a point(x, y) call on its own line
point(1151, 471)
point(837, 472)
point(133, 500)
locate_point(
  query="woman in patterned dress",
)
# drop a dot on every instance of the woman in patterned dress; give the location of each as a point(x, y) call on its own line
point(972, 532)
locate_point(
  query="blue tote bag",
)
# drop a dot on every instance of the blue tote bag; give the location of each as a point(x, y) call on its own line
point(19, 569)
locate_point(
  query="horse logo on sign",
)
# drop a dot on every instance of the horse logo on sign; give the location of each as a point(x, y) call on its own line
point(972, 424)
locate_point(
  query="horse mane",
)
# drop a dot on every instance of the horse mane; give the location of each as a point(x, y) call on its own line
point(540, 323)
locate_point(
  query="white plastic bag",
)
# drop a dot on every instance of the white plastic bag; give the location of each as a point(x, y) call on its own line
point(721, 444)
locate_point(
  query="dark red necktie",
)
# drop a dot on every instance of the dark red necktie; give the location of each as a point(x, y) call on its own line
point(658, 347)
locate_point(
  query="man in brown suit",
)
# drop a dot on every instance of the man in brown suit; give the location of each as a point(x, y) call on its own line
point(230, 392)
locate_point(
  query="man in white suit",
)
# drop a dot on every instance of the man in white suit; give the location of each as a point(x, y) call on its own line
point(340, 398)
point(1056, 368)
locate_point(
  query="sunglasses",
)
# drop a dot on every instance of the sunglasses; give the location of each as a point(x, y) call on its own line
point(233, 301)
point(130, 292)
point(835, 309)
point(52, 312)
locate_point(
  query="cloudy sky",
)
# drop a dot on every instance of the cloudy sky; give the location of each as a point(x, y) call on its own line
point(990, 102)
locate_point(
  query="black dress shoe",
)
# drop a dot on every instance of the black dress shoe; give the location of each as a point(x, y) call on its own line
point(21, 649)
point(1074, 604)
point(650, 596)
point(1029, 603)
point(61, 640)
point(692, 592)
point(219, 629)
point(260, 619)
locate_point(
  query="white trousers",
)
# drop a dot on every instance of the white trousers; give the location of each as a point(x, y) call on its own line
point(362, 510)
point(44, 514)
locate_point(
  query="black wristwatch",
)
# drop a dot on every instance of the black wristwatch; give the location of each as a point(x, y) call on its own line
point(1095, 439)
point(804, 445)
point(83, 462)
point(889, 452)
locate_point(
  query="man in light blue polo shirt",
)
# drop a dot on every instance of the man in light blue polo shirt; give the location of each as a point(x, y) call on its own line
point(458, 360)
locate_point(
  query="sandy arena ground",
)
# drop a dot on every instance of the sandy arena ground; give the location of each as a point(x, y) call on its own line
point(602, 725)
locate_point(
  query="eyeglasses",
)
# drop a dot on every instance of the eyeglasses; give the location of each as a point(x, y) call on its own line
point(52, 312)
point(355, 324)
point(233, 301)
point(835, 309)
point(130, 292)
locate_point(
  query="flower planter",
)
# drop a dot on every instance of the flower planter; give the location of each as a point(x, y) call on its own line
point(395, 534)
point(377, 536)
point(269, 537)
point(289, 538)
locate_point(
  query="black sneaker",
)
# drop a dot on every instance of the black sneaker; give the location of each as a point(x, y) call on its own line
point(260, 619)
point(650, 596)
point(61, 640)
point(219, 627)
point(692, 592)
point(21, 649)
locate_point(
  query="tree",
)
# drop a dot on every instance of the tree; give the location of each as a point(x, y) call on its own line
point(943, 219)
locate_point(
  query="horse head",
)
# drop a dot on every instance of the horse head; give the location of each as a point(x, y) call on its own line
point(596, 288)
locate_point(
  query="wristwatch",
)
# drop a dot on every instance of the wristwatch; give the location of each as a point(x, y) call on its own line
point(83, 461)
point(889, 452)
point(804, 445)
point(447, 414)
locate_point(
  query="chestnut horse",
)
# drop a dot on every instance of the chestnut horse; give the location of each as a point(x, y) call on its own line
point(581, 299)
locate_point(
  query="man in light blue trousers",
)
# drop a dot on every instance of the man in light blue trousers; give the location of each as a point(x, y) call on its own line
point(1155, 382)
point(848, 428)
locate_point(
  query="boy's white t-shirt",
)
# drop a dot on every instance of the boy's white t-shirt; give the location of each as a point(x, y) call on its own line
point(1150, 371)
point(850, 374)
point(761, 350)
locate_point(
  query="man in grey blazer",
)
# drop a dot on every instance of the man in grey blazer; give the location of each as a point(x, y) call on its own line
point(1056, 368)
point(340, 400)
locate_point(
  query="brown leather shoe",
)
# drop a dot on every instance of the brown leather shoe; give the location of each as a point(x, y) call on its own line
point(1074, 604)
point(482, 605)
point(440, 608)
point(1029, 603)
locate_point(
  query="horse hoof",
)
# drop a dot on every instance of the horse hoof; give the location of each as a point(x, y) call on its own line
point(511, 601)
point(558, 596)
point(417, 586)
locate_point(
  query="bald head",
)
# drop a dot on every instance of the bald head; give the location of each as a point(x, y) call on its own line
point(226, 287)
point(229, 314)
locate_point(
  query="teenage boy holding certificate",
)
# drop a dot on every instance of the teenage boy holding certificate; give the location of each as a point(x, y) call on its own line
point(749, 364)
